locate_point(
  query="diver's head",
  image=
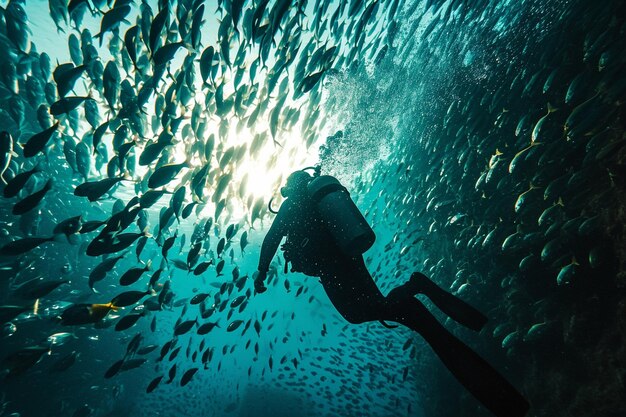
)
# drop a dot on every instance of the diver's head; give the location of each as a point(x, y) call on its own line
point(296, 184)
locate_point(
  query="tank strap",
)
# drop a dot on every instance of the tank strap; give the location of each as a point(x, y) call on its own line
point(327, 190)
point(389, 326)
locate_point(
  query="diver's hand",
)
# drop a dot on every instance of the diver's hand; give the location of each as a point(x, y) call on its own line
point(259, 287)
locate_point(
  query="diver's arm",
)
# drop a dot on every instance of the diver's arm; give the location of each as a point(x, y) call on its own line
point(269, 247)
point(272, 239)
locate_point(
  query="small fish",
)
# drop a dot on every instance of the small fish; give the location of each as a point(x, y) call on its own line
point(156, 27)
point(202, 267)
point(69, 226)
point(132, 275)
point(192, 256)
point(206, 328)
point(536, 331)
point(79, 314)
point(180, 264)
point(150, 197)
point(234, 325)
point(165, 349)
point(112, 19)
point(65, 362)
point(165, 53)
point(243, 242)
point(18, 362)
point(167, 245)
point(198, 298)
point(133, 345)
point(30, 202)
point(147, 349)
point(184, 327)
point(60, 338)
point(101, 246)
point(95, 190)
point(164, 174)
point(128, 298)
point(510, 339)
point(9, 312)
point(187, 376)
point(20, 246)
point(171, 373)
point(153, 384)
point(100, 271)
point(75, 4)
point(177, 200)
point(67, 104)
point(15, 185)
point(132, 364)
point(206, 62)
point(38, 141)
point(129, 42)
point(220, 247)
point(66, 75)
point(567, 273)
point(220, 267)
point(127, 321)
point(37, 288)
point(188, 209)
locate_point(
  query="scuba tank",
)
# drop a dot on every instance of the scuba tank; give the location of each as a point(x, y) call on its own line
point(342, 217)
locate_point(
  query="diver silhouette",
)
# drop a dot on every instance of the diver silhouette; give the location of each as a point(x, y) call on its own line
point(326, 236)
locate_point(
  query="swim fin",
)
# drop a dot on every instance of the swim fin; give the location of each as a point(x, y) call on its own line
point(453, 306)
point(472, 371)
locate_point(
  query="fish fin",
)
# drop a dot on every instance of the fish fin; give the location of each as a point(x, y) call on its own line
point(108, 305)
point(58, 238)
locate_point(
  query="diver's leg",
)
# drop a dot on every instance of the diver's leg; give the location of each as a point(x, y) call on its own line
point(352, 290)
point(473, 372)
point(453, 306)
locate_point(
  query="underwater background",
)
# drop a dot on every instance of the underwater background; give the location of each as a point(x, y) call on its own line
point(482, 140)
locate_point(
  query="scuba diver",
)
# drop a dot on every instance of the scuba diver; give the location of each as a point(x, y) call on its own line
point(326, 237)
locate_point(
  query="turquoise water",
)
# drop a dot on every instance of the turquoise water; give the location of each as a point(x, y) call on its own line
point(483, 141)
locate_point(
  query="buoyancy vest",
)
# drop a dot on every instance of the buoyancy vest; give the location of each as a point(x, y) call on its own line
point(322, 223)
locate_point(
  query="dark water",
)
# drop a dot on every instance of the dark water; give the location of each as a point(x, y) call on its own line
point(482, 140)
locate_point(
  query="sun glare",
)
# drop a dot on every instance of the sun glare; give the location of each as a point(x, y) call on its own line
point(261, 171)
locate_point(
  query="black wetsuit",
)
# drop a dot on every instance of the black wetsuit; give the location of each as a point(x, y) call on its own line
point(355, 295)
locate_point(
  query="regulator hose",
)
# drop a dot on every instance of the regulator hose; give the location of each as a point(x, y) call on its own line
point(269, 206)
point(317, 170)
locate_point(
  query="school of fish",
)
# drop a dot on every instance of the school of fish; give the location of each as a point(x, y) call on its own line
point(483, 140)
